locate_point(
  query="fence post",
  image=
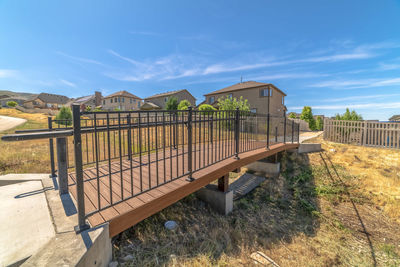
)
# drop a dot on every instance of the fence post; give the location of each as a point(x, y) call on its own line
point(268, 120)
point(284, 127)
point(237, 125)
point(292, 130)
point(174, 129)
point(190, 143)
point(365, 133)
point(298, 132)
point(51, 146)
point(128, 121)
point(62, 155)
point(82, 225)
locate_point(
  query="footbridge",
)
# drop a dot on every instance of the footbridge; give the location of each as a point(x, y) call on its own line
point(123, 166)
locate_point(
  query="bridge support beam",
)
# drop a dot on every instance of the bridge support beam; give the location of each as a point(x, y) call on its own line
point(62, 165)
point(221, 201)
point(223, 183)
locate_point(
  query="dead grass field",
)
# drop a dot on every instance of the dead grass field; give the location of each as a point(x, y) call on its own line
point(26, 156)
point(335, 208)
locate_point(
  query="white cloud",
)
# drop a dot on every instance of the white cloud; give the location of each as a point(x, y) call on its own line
point(80, 59)
point(360, 83)
point(68, 83)
point(7, 73)
point(392, 105)
point(361, 97)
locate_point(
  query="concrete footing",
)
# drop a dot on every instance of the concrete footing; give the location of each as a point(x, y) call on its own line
point(222, 202)
point(268, 168)
point(309, 148)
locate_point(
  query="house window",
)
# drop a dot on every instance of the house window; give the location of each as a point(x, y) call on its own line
point(111, 100)
point(270, 92)
point(134, 100)
point(264, 92)
point(166, 99)
point(130, 100)
point(138, 104)
point(211, 100)
point(230, 95)
point(253, 110)
point(283, 100)
point(104, 102)
point(123, 99)
point(119, 100)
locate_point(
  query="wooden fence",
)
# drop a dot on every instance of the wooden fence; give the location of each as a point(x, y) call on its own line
point(364, 133)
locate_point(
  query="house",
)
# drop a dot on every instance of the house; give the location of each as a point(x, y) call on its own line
point(20, 98)
point(257, 95)
point(91, 101)
point(121, 100)
point(395, 118)
point(46, 101)
point(160, 100)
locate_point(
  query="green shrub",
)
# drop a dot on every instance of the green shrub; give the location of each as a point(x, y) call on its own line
point(306, 115)
point(64, 116)
point(206, 109)
point(184, 105)
point(12, 104)
point(292, 115)
point(319, 124)
point(349, 116)
point(229, 103)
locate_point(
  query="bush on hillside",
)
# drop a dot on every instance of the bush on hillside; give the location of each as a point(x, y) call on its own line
point(64, 116)
point(12, 104)
point(349, 116)
point(319, 124)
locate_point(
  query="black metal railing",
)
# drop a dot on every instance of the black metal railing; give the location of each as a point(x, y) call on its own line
point(129, 153)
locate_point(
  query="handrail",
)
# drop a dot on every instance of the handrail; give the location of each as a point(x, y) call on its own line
point(35, 136)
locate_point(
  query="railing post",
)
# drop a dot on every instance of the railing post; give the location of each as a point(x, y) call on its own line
point(51, 146)
point(237, 125)
point(292, 131)
point(128, 121)
point(284, 127)
point(174, 130)
point(82, 225)
point(276, 134)
point(62, 155)
point(268, 120)
point(190, 143)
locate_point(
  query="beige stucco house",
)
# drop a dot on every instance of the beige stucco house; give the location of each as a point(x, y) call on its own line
point(160, 100)
point(121, 100)
point(257, 95)
point(91, 101)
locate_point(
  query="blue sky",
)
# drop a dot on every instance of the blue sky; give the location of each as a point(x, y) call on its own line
point(326, 54)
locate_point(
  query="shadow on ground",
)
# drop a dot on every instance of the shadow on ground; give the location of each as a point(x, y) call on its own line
point(278, 210)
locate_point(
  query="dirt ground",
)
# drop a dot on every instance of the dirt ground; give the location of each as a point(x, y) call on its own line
point(334, 208)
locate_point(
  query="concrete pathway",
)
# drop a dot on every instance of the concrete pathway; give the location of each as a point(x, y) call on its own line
point(26, 224)
point(7, 123)
point(304, 136)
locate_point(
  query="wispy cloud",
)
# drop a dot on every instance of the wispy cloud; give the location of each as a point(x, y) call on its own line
point(359, 97)
point(80, 59)
point(355, 84)
point(68, 83)
point(391, 105)
point(7, 73)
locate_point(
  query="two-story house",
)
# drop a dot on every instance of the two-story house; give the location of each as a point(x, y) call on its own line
point(257, 95)
point(91, 101)
point(160, 100)
point(121, 100)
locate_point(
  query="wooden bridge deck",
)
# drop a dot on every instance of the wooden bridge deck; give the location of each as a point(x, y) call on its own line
point(131, 210)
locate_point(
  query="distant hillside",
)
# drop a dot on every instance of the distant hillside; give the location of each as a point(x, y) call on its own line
point(9, 94)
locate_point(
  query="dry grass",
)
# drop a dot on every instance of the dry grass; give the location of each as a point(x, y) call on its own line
point(317, 213)
point(26, 156)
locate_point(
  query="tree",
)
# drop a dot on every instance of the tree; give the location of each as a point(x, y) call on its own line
point(292, 115)
point(88, 108)
point(319, 124)
point(306, 115)
point(230, 103)
point(206, 109)
point(64, 116)
point(12, 104)
point(184, 105)
point(172, 103)
point(349, 116)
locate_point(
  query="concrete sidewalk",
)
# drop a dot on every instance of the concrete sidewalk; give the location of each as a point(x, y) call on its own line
point(26, 224)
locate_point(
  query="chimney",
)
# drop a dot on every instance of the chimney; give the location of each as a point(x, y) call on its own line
point(97, 98)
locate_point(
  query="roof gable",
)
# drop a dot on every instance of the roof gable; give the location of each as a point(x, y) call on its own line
point(169, 93)
point(243, 85)
point(52, 98)
point(123, 93)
